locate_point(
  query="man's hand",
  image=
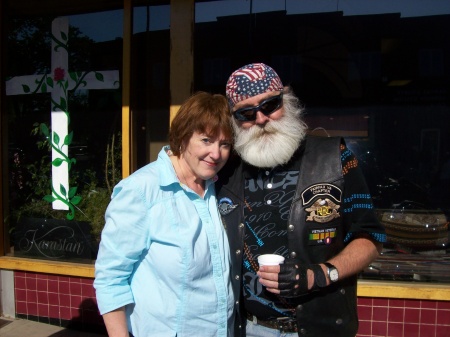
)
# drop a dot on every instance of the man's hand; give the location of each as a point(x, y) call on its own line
point(290, 279)
point(268, 277)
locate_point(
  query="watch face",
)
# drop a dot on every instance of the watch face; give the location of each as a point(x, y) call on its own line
point(334, 275)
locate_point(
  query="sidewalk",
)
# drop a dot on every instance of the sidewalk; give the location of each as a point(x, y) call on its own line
point(25, 328)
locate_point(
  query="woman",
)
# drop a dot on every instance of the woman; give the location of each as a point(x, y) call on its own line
point(163, 263)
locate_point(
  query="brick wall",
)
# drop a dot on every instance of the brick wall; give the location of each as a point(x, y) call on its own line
point(70, 301)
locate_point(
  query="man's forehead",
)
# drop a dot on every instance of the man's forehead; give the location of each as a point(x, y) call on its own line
point(255, 100)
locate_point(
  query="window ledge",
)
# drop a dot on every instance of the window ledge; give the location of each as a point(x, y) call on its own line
point(366, 288)
point(405, 290)
point(47, 267)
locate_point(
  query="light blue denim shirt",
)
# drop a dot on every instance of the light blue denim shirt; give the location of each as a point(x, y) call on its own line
point(164, 255)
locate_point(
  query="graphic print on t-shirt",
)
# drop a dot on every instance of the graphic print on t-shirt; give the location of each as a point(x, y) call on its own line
point(268, 196)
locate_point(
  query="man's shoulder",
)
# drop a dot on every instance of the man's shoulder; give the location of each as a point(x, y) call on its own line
point(230, 172)
point(311, 139)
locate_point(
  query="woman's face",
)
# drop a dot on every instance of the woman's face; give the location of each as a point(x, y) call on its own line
point(206, 155)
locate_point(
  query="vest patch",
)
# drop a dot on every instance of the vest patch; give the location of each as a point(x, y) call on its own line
point(325, 190)
point(226, 206)
point(323, 210)
point(321, 236)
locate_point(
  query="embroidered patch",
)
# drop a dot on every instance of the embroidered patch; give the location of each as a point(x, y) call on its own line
point(326, 190)
point(226, 206)
point(323, 210)
point(321, 236)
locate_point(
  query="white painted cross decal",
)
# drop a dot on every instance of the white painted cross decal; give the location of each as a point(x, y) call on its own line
point(58, 83)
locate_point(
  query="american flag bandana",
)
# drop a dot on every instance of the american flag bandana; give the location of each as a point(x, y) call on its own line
point(251, 80)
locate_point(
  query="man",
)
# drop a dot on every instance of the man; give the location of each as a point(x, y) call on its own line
point(298, 196)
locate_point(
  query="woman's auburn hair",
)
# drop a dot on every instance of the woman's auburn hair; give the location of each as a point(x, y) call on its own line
point(204, 113)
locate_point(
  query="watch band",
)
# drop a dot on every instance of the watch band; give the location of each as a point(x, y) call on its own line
point(320, 280)
point(329, 265)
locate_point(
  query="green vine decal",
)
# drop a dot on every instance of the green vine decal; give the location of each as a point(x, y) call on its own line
point(59, 43)
point(70, 199)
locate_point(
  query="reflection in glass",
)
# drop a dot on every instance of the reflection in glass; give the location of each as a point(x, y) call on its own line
point(376, 75)
point(81, 139)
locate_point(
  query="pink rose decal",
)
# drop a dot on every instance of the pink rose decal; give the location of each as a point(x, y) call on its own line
point(58, 74)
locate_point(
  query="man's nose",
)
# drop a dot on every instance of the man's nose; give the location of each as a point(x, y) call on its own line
point(261, 118)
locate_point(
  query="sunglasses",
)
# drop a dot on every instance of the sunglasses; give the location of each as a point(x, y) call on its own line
point(267, 107)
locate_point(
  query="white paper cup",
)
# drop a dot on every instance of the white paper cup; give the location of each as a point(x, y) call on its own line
point(270, 260)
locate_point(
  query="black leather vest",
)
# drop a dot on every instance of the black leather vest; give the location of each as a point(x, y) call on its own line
point(330, 312)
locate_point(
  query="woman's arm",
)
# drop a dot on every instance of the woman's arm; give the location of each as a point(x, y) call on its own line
point(116, 323)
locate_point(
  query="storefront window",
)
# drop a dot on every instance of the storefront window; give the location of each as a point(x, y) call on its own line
point(378, 76)
point(63, 131)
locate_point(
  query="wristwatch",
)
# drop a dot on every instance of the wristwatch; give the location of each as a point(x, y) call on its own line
point(333, 273)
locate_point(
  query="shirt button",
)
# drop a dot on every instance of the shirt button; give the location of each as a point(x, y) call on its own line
point(303, 331)
point(293, 255)
point(269, 185)
point(238, 252)
point(267, 173)
point(269, 202)
point(241, 225)
point(342, 291)
point(237, 302)
point(339, 321)
point(291, 228)
point(237, 277)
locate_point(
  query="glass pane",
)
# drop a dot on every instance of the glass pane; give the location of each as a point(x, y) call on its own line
point(376, 75)
point(150, 72)
point(63, 131)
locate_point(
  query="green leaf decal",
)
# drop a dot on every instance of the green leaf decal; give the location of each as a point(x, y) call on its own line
point(57, 162)
point(49, 198)
point(63, 104)
point(73, 75)
point(49, 81)
point(99, 76)
point(70, 137)
point(44, 130)
point(75, 200)
point(62, 189)
point(26, 88)
point(72, 192)
point(56, 138)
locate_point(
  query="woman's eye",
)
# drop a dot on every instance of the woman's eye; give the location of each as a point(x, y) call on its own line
point(205, 140)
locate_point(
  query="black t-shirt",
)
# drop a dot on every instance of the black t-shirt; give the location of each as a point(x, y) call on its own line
point(268, 194)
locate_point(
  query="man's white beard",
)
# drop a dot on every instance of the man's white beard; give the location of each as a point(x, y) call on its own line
point(275, 142)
